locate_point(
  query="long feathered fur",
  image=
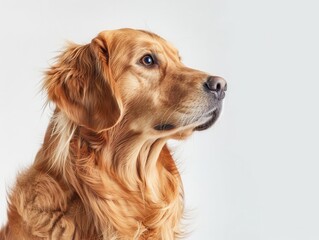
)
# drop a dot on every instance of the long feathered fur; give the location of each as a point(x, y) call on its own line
point(104, 170)
point(86, 184)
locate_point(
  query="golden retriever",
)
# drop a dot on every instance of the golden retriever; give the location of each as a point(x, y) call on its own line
point(104, 170)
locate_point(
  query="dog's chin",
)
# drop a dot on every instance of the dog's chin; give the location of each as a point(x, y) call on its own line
point(212, 118)
point(210, 122)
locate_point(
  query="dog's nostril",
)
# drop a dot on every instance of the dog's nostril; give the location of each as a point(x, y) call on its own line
point(218, 87)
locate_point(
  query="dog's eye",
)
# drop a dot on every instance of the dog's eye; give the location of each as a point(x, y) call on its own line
point(147, 60)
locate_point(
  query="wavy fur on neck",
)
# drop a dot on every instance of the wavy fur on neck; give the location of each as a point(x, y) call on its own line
point(128, 184)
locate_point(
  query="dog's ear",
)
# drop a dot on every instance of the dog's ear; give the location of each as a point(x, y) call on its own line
point(81, 85)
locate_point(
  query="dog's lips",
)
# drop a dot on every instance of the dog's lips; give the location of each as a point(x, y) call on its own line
point(164, 127)
point(210, 122)
point(212, 117)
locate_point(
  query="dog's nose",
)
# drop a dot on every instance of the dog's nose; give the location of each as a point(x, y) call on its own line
point(216, 85)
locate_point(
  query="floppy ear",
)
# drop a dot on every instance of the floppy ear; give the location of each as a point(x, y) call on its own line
point(81, 85)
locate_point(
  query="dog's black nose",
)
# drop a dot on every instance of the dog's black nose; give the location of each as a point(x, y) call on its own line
point(217, 85)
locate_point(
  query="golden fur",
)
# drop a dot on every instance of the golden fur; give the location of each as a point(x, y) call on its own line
point(104, 171)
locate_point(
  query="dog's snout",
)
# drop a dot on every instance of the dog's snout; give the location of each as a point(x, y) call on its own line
point(217, 85)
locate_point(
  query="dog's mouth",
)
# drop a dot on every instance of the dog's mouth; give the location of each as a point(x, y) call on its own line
point(214, 116)
point(164, 127)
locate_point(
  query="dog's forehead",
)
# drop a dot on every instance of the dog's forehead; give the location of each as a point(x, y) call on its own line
point(159, 41)
point(145, 39)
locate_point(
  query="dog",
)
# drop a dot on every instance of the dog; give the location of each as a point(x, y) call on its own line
point(104, 170)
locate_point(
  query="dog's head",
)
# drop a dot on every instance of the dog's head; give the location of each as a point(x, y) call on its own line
point(134, 79)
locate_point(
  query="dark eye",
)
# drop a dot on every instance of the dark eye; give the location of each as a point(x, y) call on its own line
point(147, 60)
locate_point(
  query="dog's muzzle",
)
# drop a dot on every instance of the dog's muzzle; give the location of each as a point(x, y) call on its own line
point(216, 86)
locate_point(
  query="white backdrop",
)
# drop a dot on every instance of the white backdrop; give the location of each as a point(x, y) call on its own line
point(254, 175)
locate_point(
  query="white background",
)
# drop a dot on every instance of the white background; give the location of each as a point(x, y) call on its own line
point(255, 174)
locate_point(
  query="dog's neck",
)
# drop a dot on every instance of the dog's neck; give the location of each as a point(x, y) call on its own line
point(118, 173)
point(135, 160)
